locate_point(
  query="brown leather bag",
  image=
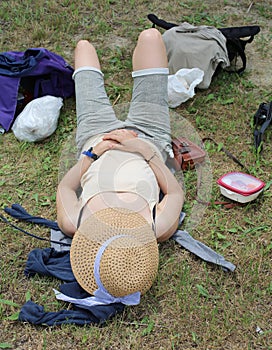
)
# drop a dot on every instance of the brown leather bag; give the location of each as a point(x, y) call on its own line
point(186, 153)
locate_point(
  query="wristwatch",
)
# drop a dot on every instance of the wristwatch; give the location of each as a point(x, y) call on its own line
point(90, 154)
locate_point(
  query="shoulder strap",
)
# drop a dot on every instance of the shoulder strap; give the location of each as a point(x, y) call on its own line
point(31, 234)
point(229, 33)
point(263, 116)
point(18, 212)
point(230, 155)
point(240, 32)
point(236, 47)
point(80, 216)
point(160, 22)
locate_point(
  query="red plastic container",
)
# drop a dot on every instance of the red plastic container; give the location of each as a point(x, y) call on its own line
point(240, 187)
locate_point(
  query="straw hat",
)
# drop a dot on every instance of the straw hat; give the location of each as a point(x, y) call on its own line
point(129, 262)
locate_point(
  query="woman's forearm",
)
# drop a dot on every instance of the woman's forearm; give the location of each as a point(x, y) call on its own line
point(67, 200)
point(169, 208)
point(166, 180)
point(72, 178)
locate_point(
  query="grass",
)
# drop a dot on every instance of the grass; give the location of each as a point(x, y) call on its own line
point(192, 304)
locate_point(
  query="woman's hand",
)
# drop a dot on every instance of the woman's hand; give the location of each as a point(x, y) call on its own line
point(111, 139)
point(120, 135)
point(103, 146)
point(127, 140)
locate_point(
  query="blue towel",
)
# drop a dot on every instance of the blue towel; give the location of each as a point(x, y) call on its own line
point(48, 262)
point(35, 314)
point(57, 264)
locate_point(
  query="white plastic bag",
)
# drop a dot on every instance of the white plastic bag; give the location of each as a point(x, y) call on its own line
point(38, 120)
point(181, 85)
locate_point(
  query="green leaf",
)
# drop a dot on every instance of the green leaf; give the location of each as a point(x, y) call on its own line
point(13, 317)
point(28, 296)
point(220, 236)
point(5, 346)
point(220, 146)
point(202, 291)
point(226, 245)
point(149, 328)
point(268, 248)
point(210, 97)
point(268, 184)
point(227, 101)
point(36, 197)
point(8, 302)
point(194, 337)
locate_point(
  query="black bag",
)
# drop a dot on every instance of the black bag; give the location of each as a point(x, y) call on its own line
point(235, 44)
point(262, 119)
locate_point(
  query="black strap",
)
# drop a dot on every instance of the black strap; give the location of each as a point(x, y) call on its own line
point(154, 218)
point(230, 155)
point(160, 22)
point(80, 216)
point(236, 47)
point(241, 32)
point(263, 116)
point(31, 234)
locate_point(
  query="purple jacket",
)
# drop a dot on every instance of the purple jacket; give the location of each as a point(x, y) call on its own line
point(37, 70)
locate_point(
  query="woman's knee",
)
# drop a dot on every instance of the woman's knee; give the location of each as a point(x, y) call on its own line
point(85, 55)
point(83, 45)
point(150, 35)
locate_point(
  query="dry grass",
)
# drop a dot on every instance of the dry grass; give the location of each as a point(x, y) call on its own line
point(192, 304)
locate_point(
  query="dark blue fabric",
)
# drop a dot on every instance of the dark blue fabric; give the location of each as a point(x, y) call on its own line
point(54, 263)
point(57, 264)
point(18, 212)
point(18, 63)
point(35, 314)
point(44, 71)
point(73, 290)
point(48, 262)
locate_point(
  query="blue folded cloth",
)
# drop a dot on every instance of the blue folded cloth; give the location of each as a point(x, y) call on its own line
point(49, 262)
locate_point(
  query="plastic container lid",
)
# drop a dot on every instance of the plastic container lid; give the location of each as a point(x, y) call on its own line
point(241, 183)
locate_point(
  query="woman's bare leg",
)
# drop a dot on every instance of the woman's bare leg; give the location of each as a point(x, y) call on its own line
point(150, 51)
point(85, 55)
